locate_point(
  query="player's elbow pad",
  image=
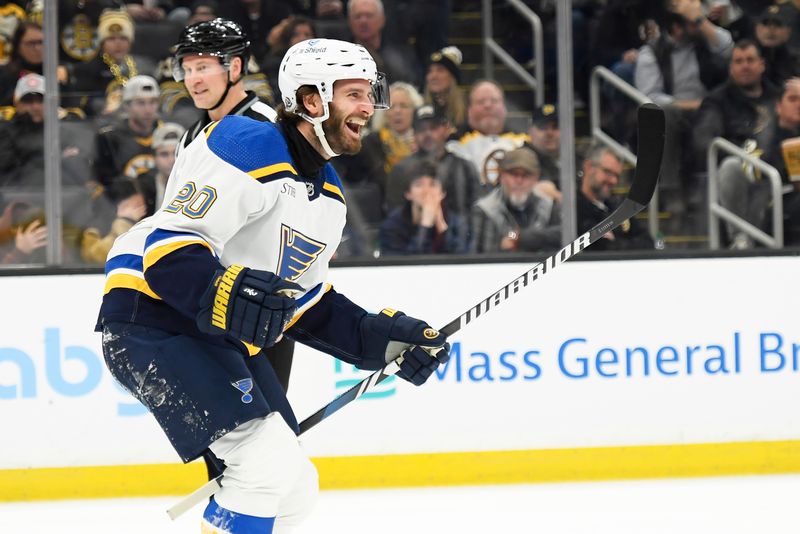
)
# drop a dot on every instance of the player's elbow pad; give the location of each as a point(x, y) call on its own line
point(249, 305)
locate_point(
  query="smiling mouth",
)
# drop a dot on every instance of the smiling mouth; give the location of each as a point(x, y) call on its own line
point(355, 125)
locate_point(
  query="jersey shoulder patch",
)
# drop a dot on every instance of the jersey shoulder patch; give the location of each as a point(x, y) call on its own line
point(254, 147)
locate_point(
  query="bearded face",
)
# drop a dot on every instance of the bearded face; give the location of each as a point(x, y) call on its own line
point(350, 109)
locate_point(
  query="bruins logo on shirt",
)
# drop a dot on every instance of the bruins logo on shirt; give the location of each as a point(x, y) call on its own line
point(491, 167)
point(139, 164)
point(79, 39)
point(10, 15)
point(298, 253)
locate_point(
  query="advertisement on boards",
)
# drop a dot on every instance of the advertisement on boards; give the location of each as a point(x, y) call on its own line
point(594, 354)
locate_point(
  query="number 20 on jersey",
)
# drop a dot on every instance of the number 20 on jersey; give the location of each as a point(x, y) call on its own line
point(192, 202)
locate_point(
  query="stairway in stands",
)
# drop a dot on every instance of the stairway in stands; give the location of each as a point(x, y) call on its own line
point(466, 33)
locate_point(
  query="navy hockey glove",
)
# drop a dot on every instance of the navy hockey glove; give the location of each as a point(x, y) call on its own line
point(246, 304)
point(391, 334)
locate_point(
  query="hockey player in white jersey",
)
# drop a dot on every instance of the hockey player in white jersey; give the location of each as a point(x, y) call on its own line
point(192, 292)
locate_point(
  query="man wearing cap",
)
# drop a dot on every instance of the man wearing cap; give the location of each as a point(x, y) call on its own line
point(514, 216)
point(123, 147)
point(773, 30)
point(546, 141)
point(457, 175)
point(441, 86)
point(22, 137)
point(91, 83)
point(153, 183)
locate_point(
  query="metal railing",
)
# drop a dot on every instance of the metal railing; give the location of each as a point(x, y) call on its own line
point(601, 73)
point(492, 49)
point(717, 212)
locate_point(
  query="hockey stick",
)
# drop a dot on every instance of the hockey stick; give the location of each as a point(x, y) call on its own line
point(651, 148)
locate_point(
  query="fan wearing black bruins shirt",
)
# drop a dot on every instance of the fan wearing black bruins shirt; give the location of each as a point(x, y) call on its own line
point(211, 60)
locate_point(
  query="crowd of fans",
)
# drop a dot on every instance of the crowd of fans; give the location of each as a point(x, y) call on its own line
point(441, 171)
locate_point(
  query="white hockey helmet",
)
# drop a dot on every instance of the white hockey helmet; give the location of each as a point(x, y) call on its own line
point(320, 63)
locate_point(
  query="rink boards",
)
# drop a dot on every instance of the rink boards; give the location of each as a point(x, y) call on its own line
point(602, 370)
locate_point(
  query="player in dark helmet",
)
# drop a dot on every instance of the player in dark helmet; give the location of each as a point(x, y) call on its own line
point(221, 39)
point(211, 60)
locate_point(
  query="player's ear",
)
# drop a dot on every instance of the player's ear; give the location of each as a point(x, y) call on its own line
point(313, 104)
point(236, 67)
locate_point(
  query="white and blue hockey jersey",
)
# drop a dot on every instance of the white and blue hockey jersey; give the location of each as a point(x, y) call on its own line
point(235, 197)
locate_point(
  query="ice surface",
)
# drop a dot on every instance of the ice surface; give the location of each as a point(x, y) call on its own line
point(731, 505)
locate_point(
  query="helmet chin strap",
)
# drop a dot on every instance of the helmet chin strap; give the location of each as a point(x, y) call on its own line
point(317, 123)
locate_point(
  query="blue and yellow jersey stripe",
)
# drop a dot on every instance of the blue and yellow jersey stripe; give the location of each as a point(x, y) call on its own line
point(333, 187)
point(273, 171)
point(126, 271)
point(160, 243)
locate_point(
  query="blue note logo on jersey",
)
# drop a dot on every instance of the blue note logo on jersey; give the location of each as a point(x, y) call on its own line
point(245, 386)
point(298, 252)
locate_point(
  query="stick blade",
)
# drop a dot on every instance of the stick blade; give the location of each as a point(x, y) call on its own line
point(651, 150)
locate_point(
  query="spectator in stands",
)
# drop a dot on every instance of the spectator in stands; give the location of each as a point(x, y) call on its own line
point(743, 190)
point(77, 24)
point(458, 177)
point(147, 11)
point(153, 183)
point(256, 18)
point(423, 224)
point(96, 86)
point(22, 138)
point(773, 30)
point(203, 11)
point(424, 23)
point(330, 21)
point(601, 171)
point(11, 15)
point(23, 234)
point(488, 139)
point(287, 33)
point(677, 71)
point(123, 147)
point(130, 208)
point(366, 19)
point(27, 54)
point(514, 217)
point(546, 142)
point(441, 86)
point(741, 108)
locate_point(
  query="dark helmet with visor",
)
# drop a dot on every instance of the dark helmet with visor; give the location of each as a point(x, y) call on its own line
point(220, 38)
